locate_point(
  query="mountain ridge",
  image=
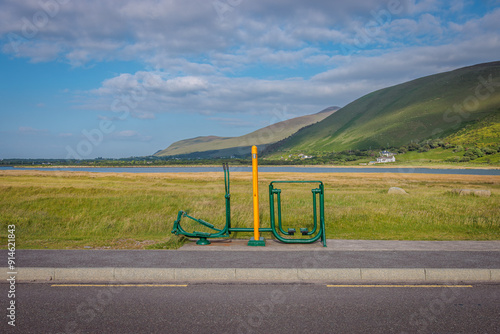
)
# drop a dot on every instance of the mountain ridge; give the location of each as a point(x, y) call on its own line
point(215, 146)
point(434, 106)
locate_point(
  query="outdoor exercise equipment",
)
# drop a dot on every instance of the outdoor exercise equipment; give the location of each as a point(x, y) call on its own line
point(317, 232)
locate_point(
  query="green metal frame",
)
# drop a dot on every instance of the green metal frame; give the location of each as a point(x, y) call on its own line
point(316, 234)
point(227, 230)
point(218, 233)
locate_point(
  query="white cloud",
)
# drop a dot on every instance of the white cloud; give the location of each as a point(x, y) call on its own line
point(414, 62)
point(214, 94)
point(475, 28)
point(226, 95)
point(457, 6)
point(184, 85)
point(165, 34)
point(320, 34)
point(284, 58)
point(261, 54)
point(162, 31)
point(424, 6)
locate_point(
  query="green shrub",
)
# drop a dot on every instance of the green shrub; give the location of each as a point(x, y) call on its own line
point(489, 150)
point(478, 152)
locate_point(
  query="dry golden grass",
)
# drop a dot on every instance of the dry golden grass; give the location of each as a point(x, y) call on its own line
point(129, 210)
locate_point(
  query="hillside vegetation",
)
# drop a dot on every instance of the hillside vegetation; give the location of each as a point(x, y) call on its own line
point(462, 105)
point(483, 133)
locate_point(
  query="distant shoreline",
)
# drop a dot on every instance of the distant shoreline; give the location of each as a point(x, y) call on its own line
point(272, 166)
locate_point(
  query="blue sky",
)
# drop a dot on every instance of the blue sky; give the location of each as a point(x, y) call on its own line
point(109, 78)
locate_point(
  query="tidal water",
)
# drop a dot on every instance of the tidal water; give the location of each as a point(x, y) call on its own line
point(265, 169)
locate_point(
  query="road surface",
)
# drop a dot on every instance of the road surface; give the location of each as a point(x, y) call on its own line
point(253, 308)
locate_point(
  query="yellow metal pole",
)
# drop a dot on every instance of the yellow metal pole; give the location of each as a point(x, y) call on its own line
point(255, 177)
point(256, 240)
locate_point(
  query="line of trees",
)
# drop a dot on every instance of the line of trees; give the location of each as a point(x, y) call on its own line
point(286, 158)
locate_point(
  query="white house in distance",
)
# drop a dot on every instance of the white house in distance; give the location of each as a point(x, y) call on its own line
point(386, 156)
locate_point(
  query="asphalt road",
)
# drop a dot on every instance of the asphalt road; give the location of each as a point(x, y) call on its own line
point(251, 308)
point(252, 259)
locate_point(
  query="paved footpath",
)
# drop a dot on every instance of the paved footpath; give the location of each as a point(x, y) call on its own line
point(233, 260)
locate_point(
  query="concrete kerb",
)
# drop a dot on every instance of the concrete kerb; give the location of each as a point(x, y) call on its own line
point(394, 275)
point(164, 275)
point(469, 275)
point(84, 274)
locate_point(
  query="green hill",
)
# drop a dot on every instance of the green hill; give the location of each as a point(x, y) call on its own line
point(435, 106)
point(213, 146)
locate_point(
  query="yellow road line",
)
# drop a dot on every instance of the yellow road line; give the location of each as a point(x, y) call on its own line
point(120, 285)
point(398, 286)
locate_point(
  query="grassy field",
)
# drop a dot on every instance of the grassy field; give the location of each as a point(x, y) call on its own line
point(440, 156)
point(105, 210)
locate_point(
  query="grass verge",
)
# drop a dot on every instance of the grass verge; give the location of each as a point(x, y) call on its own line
point(72, 210)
